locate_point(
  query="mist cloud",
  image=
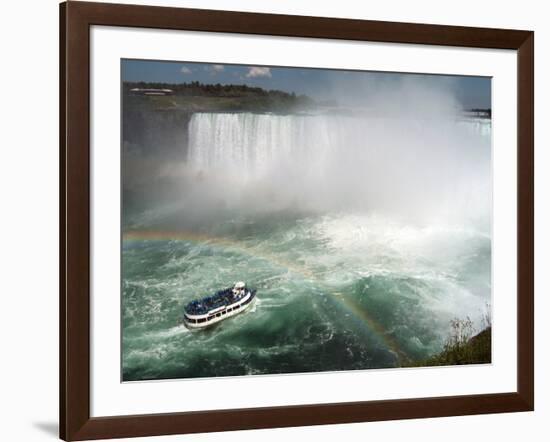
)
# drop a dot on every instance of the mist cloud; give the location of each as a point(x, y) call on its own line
point(408, 151)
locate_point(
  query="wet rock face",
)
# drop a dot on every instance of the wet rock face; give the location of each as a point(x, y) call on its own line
point(154, 138)
point(156, 131)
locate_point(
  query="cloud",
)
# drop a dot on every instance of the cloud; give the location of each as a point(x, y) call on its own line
point(185, 70)
point(254, 72)
point(214, 68)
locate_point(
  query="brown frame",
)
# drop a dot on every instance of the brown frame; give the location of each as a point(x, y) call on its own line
point(75, 21)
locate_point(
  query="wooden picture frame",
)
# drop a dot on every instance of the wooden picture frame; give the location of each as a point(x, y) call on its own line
point(75, 21)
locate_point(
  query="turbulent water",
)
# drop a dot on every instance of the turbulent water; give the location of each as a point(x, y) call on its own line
point(362, 245)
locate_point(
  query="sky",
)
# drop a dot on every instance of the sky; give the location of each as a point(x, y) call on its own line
point(346, 87)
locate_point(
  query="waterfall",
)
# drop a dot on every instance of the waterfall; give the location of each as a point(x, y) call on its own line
point(344, 161)
point(253, 143)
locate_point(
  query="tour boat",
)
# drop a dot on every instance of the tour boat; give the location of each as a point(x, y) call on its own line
point(222, 305)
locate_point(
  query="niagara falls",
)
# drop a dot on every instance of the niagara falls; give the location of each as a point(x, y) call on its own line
point(362, 219)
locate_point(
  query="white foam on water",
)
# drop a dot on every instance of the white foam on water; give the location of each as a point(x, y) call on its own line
point(171, 332)
point(376, 247)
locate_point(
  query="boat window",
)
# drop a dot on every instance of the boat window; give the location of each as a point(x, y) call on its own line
point(229, 309)
point(237, 306)
point(202, 320)
point(218, 314)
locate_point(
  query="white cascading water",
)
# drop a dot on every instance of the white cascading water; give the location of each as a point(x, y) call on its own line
point(365, 160)
point(251, 142)
point(254, 143)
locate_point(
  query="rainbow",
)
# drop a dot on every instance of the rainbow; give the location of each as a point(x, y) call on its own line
point(349, 304)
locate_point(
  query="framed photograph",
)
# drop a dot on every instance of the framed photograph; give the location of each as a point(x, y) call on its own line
point(272, 220)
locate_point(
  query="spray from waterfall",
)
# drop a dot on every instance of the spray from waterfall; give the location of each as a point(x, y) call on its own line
point(408, 152)
point(416, 168)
